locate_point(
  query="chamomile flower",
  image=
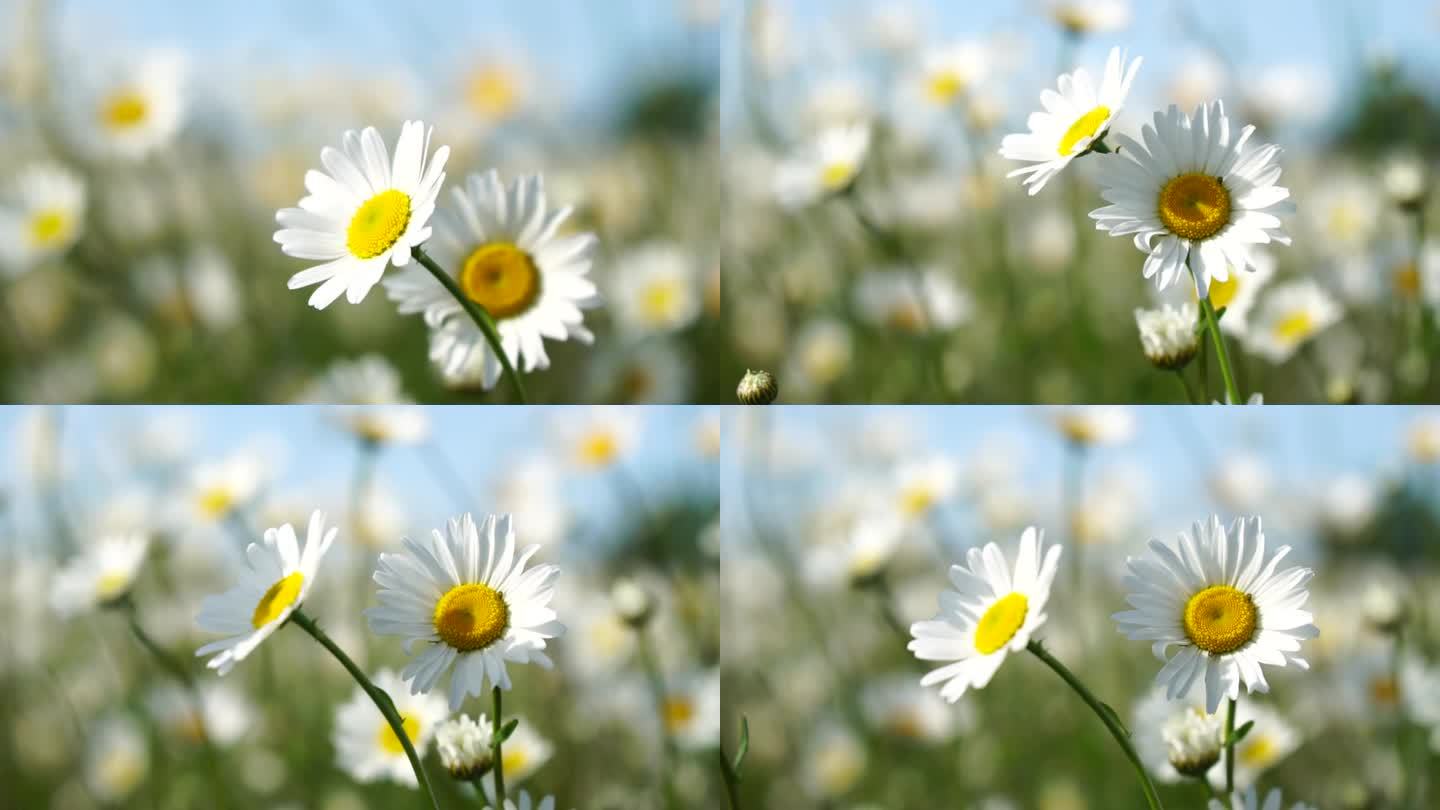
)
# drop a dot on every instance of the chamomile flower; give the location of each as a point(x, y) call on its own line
point(993, 611)
point(1236, 295)
point(657, 289)
point(1194, 196)
point(691, 710)
point(522, 802)
point(101, 575)
point(367, 748)
point(925, 484)
point(1177, 739)
point(600, 438)
point(501, 244)
point(363, 213)
point(948, 73)
point(523, 752)
point(223, 714)
point(216, 489)
point(1270, 740)
point(911, 303)
point(278, 576)
point(137, 109)
point(900, 709)
point(1073, 119)
point(1249, 800)
point(472, 603)
point(464, 747)
point(1095, 425)
point(1219, 597)
point(1090, 16)
point(1167, 335)
point(42, 217)
point(1291, 315)
point(117, 758)
point(826, 166)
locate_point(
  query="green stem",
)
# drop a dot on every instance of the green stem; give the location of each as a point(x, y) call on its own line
point(1107, 716)
point(497, 759)
point(377, 696)
point(1212, 325)
point(732, 781)
point(657, 690)
point(1189, 389)
point(1230, 748)
point(360, 483)
point(477, 314)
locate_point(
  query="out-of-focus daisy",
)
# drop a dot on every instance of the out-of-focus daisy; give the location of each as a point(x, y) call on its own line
point(833, 762)
point(502, 246)
point(366, 380)
point(41, 217)
point(117, 759)
point(472, 603)
point(1167, 334)
point(1291, 315)
point(1202, 202)
point(656, 289)
point(495, 90)
point(826, 166)
point(101, 575)
point(363, 213)
point(862, 555)
point(1090, 16)
point(1422, 440)
point(902, 710)
point(993, 611)
point(654, 371)
point(522, 802)
point(691, 710)
point(1249, 800)
point(598, 438)
point(1269, 741)
point(899, 300)
point(523, 753)
point(216, 489)
point(823, 351)
point(223, 717)
point(1405, 177)
point(1347, 504)
point(1072, 121)
point(137, 109)
point(276, 579)
point(365, 745)
point(1343, 211)
point(1095, 425)
point(948, 73)
point(530, 491)
point(1241, 482)
point(1219, 597)
point(924, 484)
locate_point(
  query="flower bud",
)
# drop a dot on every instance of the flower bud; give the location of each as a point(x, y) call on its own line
point(757, 388)
point(1167, 335)
point(633, 603)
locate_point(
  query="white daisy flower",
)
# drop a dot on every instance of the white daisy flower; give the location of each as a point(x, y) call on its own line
point(223, 716)
point(1177, 739)
point(523, 802)
point(826, 166)
point(278, 576)
point(138, 109)
point(464, 747)
point(117, 758)
point(363, 213)
point(366, 380)
point(691, 710)
point(1236, 295)
point(216, 489)
point(924, 484)
point(101, 575)
point(470, 601)
point(899, 708)
point(1191, 195)
point(1249, 800)
point(1073, 120)
point(1095, 425)
point(1229, 611)
point(906, 302)
point(367, 748)
point(1167, 334)
point(522, 753)
point(1290, 315)
point(600, 437)
point(501, 245)
point(992, 612)
point(657, 289)
point(948, 73)
point(1090, 16)
point(834, 761)
point(41, 218)
point(1269, 741)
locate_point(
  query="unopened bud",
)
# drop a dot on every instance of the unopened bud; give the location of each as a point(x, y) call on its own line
point(633, 603)
point(757, 388)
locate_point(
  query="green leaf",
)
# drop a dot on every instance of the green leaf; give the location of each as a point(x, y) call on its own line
point(508, 729)
point(1115, 717)
point(744, 744)
point(1241, 732)
point(1220, 313)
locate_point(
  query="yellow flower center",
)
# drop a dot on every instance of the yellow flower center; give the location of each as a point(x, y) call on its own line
point(501, 278)
point(599, 449)
point(1258, 752)
point(513, 761)
point(378, 224)
point(906, 317)
point(1221, 619)
point(1194, 206)
point(471, 617)
point(1000, 622)
point(389, 743)
point(1294, 328)
point(49, 227)
point(1223, 292)
point(917, 500)
point(493, 93)
point(944, 86)
point(215, 503)
point(1385, 691)
point(659, 300)
point(112, 585)
point(678, 712)
point(905, 724)
point(124, 110)
point(1084, 127)
point(835, 176)
point(280, 596)
point(1407, 280)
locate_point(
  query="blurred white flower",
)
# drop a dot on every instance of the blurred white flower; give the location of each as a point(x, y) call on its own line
point(1198, 78)
point(597, 438)
point(1094, 426)
point(523, 753)
point(821, 354)
point(1343, 211)
point(1270, 740)
point(101, 575)
point(1228, 609)
point(901, 709)
point(656, 289)
point(224, 715)
point(897, 299)
point(993, 611)
point(1090, 16)
point(41, 216)
point(1406, 178)
point(826, 166)
point(216, 489)
point(1347, 504)
point(1249, 800)
point(275, 580)
point(947, 74)
point(367, 748)
point(691, 710)
point(1291, 315)
point(530, 490)
point(1298, 93)
point(833, 761)
point(117, 758)
point(137, 109)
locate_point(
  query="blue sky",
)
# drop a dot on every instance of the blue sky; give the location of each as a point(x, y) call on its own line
point(317, 457)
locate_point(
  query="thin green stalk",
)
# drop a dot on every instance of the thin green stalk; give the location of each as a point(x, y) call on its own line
point(1230, 748)
point(1189, 389)
point(657, 690)
point(377, 696)
point(477, 314)
point(1212, 325)
point(360, 482)
point(732, 790)
point(497, 759)
point(1107, 716)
